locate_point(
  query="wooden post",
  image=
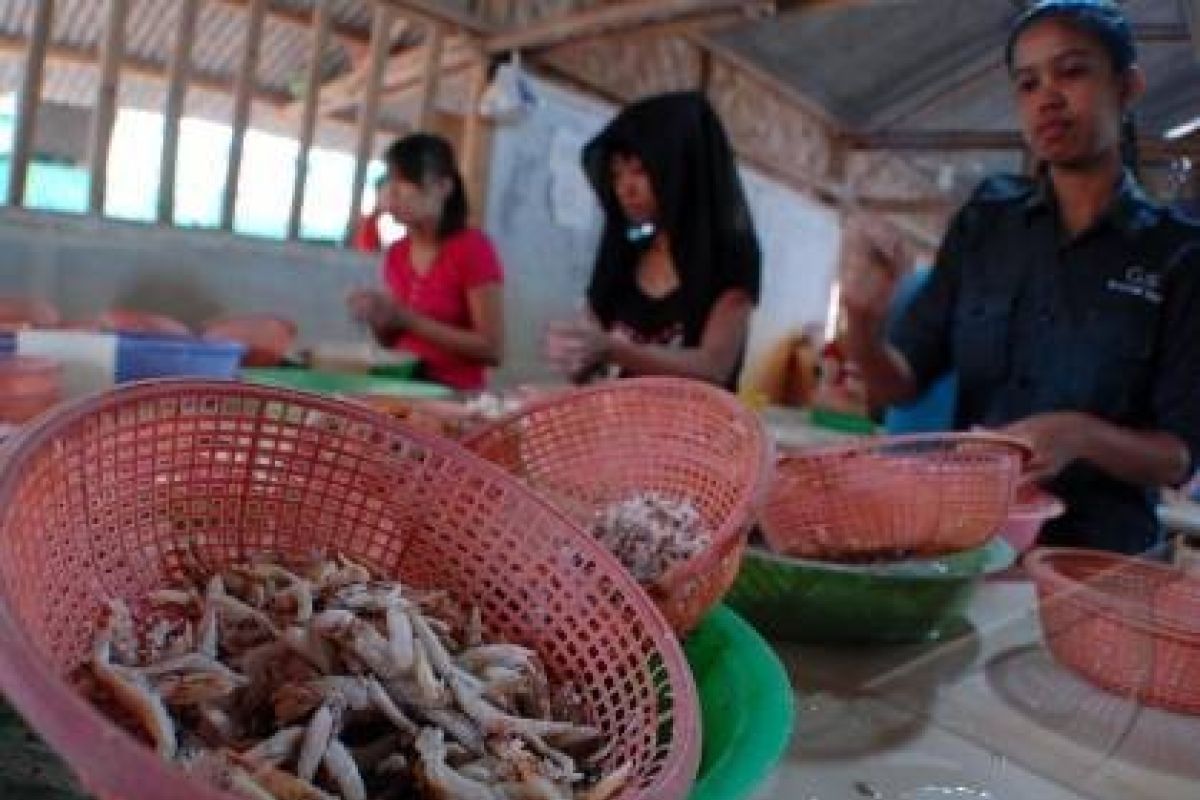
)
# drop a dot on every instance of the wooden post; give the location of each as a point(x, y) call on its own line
point(474, 164)
point(243, 94)
point(104, 115)
point(308, 123)
point(429, 79)
point(180, 71)
point(27, 106)
point(381, 41)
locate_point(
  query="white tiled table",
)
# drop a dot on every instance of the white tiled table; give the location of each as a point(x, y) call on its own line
point(989, 716)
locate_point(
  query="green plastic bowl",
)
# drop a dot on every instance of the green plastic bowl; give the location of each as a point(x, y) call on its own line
point(348, 383)
point(746, 706)
point(917, 600)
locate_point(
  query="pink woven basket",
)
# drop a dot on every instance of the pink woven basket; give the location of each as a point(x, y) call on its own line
point(97, 497)
point(1127, 625)
point(925, 495)
point(589, 448)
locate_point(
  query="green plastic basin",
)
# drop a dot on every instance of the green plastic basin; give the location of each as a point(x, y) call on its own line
point(747, 706)
point(348, 383)
point(899, 602)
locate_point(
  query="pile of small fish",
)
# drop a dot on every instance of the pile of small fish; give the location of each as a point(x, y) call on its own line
point(650, 532)
point(321, 682)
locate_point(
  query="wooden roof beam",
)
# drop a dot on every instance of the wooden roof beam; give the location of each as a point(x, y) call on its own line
point(355, 37)
point(435, 11)
point(70, 55)
point(607, 20)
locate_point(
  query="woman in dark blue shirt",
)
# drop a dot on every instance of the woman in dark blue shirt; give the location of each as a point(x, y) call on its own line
point(1068, 305)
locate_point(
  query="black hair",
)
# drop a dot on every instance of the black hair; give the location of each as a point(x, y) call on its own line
point(1103, 19)
point(421, 157)
point(702, 206)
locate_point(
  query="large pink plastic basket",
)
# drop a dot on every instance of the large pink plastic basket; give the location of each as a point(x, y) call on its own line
point(1127, 625)
point(95, 498)
point(589, 448)
point(925, 494)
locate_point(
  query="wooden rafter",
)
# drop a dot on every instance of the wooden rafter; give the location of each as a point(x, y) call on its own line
point(435, 11)
point(308, 122)
point(178, 75)
point(607, 20)
point(30, 96)
point(104, 116)
point(352, 36)
point(243, 97)
point(69, 55)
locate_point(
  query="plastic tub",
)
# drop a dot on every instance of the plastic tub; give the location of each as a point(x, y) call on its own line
point(915, 600)
point(144, 356)
point(746, 704)
point(1031, 510)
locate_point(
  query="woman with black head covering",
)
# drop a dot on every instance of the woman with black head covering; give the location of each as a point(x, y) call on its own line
point(677, 273)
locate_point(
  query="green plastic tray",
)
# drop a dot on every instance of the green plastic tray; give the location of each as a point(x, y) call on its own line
point(310, 380)
point(902, 602)
point(747, 706)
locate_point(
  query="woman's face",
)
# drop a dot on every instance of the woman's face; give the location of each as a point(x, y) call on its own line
point(633, 189)
point(416, 203)
point(1070, 99)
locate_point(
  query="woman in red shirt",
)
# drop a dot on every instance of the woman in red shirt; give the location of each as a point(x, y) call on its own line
point(444, 301)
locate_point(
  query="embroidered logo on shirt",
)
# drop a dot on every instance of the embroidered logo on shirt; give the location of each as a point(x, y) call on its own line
point(1138, 283)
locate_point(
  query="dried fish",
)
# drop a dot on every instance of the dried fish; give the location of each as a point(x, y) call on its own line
point(275, 673)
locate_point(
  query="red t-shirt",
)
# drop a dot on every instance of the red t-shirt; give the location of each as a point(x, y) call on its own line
point(464, 262)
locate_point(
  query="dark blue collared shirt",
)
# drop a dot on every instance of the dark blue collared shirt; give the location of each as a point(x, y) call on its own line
point(1033, 321)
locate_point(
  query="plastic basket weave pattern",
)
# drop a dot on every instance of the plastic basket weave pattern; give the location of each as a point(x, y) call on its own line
point(925, 495)
point(97, 497)
point(1127, 625)
point(589, 448)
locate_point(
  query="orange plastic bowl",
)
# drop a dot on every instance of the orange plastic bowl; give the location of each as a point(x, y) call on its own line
point(267, 338)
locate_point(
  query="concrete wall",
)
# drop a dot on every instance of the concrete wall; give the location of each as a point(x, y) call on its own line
point(86, 265)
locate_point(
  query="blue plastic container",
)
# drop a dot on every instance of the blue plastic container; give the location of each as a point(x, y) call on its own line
point(143, 356)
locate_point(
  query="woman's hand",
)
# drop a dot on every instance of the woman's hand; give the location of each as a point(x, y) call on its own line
point(1055, 438)
point(377, 310)
point(574, 347)
point(872, 260)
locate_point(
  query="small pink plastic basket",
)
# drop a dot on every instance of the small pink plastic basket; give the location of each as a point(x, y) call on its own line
point(98, 498)
point(920, 495)
point(1031, 510)
point(588, 448)
point(1127, 625)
